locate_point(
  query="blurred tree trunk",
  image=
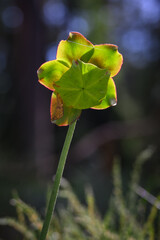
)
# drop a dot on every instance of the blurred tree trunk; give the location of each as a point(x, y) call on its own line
point(32, 100)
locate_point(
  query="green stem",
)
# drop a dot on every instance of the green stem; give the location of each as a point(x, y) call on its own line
point(57, 180)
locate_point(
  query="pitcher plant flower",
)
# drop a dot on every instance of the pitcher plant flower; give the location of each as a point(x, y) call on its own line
point(80, 78)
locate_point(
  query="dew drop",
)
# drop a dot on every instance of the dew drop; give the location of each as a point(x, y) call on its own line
point(113, 102)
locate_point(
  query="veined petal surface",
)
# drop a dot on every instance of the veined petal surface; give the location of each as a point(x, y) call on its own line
point(62, 115)
point(50, 72)
point(83, 86)
point(107, 56)
point(75, 47)
point(111, 96)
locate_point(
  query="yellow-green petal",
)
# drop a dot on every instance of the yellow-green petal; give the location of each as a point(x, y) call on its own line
point(62, 115)
point(50, 72)
point(110, 98)
point(107, 56)
point(75, 47)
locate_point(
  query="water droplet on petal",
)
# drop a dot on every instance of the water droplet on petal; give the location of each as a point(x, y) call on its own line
point(113, 102)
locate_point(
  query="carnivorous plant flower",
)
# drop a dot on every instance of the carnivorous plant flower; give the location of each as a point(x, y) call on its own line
point(80, 77)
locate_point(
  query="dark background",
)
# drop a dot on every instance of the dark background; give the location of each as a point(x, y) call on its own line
point(30, 145)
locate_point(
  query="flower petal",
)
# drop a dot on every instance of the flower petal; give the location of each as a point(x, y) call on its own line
point(56, 107)
point(110, 98)
point(75, 47)
point(83, 86)
point(62, 115)
point(50, 72)
point(107, 56)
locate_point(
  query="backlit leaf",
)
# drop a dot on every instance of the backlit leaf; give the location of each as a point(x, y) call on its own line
point(110, 98)
point(50, 72)
point(62, 115)
point(75, 47)
point(107, 56)
point(83, 86)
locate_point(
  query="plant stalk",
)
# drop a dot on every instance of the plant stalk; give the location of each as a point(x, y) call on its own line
point(56, 184)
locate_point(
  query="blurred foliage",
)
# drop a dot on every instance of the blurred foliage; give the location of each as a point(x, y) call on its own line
point(126, 218)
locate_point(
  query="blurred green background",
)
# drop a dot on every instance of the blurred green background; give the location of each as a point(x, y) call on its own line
point(30, 145)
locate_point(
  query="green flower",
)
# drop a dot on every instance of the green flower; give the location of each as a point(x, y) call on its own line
point(80, 77)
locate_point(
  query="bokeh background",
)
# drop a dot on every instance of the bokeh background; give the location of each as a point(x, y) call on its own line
point(30, 145)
